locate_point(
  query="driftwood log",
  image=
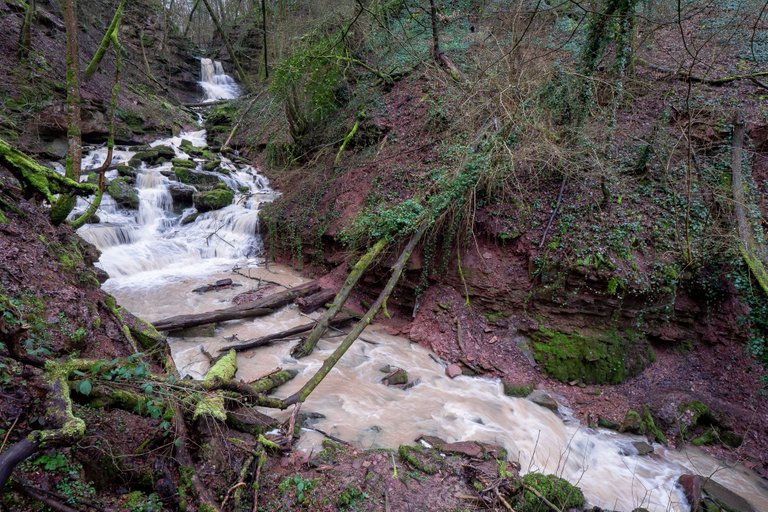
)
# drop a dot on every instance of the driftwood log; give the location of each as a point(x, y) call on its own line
point(261, 307)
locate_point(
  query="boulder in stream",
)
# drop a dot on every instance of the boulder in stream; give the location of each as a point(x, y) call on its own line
point(153, 156)
point(215, 199)
point(544, 399)
point(397, 377)
point(199, 179)
point(704, 493)
point(123, 192)
point(180, 192)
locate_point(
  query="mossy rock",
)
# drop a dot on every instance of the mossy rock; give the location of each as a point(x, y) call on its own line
point(593, 357)
point(180, 162)
point(190, 149)
point(517, 390)
point(211, 165)
point(213, 199)
point(123, 192)
point(153, 156)
point(126, 170)
point(198, 179)
point(556, 490)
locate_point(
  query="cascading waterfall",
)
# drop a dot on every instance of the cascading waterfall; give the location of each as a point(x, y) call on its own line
point(151, 245)
point(216, 84)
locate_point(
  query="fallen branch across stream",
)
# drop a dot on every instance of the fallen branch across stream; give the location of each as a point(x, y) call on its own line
point(261, 307)
point(271, 338)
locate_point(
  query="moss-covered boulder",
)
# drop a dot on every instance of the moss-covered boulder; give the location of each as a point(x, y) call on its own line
point(198, 179)
point(182, 194)
point(190, 149)
point(592, 357)
point(126, 170)
point(211, 165)
point(153, 156)
point(123, 192)
point(180, 162)
point(557, 491)
point(213, 199)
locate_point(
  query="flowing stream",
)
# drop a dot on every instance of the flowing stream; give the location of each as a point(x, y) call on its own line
point(154, 261)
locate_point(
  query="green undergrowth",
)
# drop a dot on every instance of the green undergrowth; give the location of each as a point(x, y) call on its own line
point(557, 491)
point(592, 357)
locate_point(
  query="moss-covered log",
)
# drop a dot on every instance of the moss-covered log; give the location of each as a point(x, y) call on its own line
point(106, 40)
point(273, 380)
point(36, 179)
point(330, 362)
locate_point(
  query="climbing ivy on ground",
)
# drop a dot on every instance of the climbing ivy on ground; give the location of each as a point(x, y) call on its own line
point(757, 319)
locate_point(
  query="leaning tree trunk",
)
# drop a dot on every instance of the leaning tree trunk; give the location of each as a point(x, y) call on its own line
point(66, 202)
point(397, 269)
point(306, 347)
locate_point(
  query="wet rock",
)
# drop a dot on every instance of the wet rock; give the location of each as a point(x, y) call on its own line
point(691, 485)
point(398, 377)
point(432, 441)
point(702, 492)
point(469, 449)
point(724, 498)
point(126, 170)
point(153, 156)
point(123, 192)
point(189, 218)
point(196, 178)
point(453, 370)
point(517, 389)
point(213, 199)
point(642, 447)
point(544, 399)
point(180, 192)
point(181, 162)
point(211, 165)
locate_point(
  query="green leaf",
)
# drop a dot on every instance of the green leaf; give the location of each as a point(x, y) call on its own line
point(85, 387)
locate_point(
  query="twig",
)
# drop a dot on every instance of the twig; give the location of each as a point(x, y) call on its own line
point(542, 498)
point(503, 501)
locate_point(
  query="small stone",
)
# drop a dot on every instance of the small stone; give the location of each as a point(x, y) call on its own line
point(642, 447)
point(453, 370)
point(397, 378)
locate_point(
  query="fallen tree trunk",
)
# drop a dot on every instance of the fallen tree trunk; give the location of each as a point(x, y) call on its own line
point(308, 345)
point(315, 301)
point(261, 307)
point(330, 362)
point(271, 338)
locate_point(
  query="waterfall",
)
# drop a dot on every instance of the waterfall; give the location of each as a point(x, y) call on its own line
point(151, 245)
point(216, 84)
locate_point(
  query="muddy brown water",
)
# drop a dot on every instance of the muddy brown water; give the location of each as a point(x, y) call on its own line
point(154, 262)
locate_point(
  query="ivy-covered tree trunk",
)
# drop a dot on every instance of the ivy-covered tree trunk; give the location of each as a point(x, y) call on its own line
point(25, 34)
point(66, 202)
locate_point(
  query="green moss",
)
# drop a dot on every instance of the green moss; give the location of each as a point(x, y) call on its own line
point(649, 427)
point(517, 390)
point(180, 162)
point(213, 199)
point(708, 437)
point(421, 458)
point(211, 406)
point(556, 490)
point(594, 357)
point(3, 219)
point(123, 192)
point(222, 371)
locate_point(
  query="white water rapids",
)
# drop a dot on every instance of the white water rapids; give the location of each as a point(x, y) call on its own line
point(154, 262)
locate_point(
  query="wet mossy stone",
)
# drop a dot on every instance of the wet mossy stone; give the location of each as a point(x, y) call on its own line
point(518, 390)
point(592, 357)
point(153, 156)
point(189, 148)
point(126, 170)
point(215, 199)
point(198, 179)
point(211, 165)
point(180, 162)
point(123, 192)
point(556, 490)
